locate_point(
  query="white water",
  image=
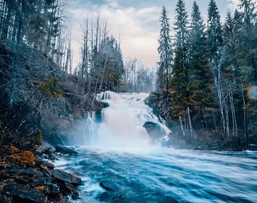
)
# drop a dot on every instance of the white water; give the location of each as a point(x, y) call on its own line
point(121, 152)
point(122, 126)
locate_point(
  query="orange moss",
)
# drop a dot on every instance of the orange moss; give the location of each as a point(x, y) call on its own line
point(24, 159)
point(13, 150)
point(40, 188)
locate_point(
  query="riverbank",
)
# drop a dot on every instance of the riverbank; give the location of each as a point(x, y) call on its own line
point(27, 176)
point(204, 137)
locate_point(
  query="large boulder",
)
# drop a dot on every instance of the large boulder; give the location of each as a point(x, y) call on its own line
point(104, 104)
point(66, 177)
point(65, 150)
point(29, 171)
point(24, 194)
point(109, 186)
point(45, 148)
point(154, 130)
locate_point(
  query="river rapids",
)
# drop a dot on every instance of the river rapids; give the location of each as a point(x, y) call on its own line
point(121, 153)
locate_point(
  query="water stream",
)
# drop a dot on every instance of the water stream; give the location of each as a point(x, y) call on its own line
point(142, 171)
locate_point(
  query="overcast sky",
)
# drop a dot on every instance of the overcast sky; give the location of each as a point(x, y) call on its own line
point(135, 22)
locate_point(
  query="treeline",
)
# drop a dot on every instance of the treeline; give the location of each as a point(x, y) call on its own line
point(101, 57)
point(36, 23)
point(39, 96)
point(138, 77)
point(207, 69)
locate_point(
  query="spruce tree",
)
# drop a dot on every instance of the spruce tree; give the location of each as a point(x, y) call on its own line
point(249, 36)
point(248, 61)
point(165, 52)
point(201, 77)
point(180, 80)
point(214, 28)
point(214, 37)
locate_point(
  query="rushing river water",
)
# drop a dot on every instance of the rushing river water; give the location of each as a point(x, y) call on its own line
point(138, 171)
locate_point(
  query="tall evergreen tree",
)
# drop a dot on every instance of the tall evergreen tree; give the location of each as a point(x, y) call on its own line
point(214, 36)
point(180, 80)
point(214, 28)
point(249, 36)
point(201, 77)
point(165, 52)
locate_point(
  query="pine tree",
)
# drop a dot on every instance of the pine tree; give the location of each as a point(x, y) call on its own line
point(201, 77)
point(180, 80)
point(165, 52)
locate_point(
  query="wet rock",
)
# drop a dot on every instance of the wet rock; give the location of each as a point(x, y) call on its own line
point(47, 164)
point(54, 189)
point(104, 104)
point(109, 185)
point(24, 194)
point(53, 157)
point(66, 177)
point(21, 181)
point(104, 197)
point(252, 147)
point(29, 171)
point(154, 130)
point(5, 198)
point(45, 148)
point(65, 150)
point(69, 189)
point(110, 197)
point(118, 198)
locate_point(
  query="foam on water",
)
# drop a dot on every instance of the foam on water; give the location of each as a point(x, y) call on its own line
point(122, 126)
point(121, 153)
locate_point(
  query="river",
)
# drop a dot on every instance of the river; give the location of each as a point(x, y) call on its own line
point(138, 170)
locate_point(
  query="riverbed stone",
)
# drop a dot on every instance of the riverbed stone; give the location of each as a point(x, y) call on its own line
point(45, 148)
point(65, 150)
point(29, 171)
point(66, 177)
point(24, 194)
point(109, 185)
point(154, 130)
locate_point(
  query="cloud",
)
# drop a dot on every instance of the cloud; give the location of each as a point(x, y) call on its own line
point(112, 3)
point(135, 27)
point(134, 22)
point(233, 4)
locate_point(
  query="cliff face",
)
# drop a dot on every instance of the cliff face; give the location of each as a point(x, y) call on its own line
point(38, 100)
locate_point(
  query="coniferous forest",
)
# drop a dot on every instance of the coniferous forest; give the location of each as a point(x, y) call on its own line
point(94, 125)
point(207, 73)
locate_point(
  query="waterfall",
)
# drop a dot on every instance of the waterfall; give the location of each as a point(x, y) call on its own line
point(123, 120)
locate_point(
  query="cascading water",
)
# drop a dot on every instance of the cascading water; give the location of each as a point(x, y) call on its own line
point(122, 125)
point(136, 170)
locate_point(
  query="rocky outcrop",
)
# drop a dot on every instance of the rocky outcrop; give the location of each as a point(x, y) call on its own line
point(65, 150)
point(109, 186)
point(45, 148)
point(154, 130)
point(23, 194)
point(66, 177)
point(38, 182)
point(104, 104)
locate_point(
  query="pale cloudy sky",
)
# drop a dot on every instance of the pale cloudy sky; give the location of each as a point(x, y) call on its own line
point(135, 22)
